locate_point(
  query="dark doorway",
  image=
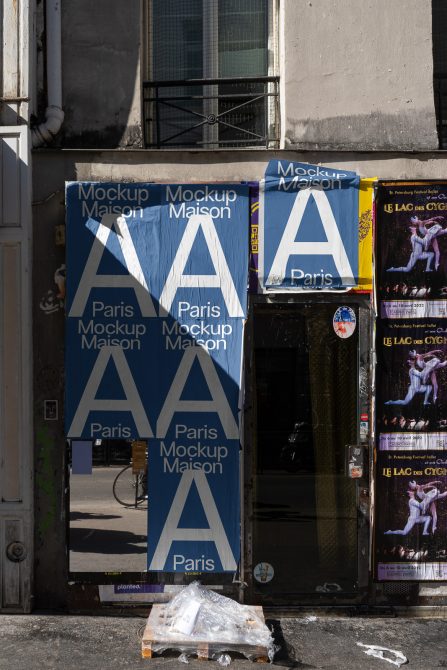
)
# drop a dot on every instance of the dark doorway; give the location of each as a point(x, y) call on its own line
point(306, 413)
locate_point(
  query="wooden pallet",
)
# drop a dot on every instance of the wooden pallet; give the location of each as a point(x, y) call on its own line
point(160, 619)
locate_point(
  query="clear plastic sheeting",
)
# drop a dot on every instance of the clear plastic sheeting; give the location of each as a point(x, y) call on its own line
point(224, 660)
point(197, 617)
point(391, 655)
point(310, 619)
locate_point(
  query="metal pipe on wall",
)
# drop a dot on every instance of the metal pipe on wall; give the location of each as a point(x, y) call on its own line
point(54, 115)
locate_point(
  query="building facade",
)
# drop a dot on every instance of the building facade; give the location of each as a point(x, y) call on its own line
point(146, 93)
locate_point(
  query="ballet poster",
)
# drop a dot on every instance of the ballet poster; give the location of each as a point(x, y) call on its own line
point(411, 401)
point(411, 516)
point(411, 252)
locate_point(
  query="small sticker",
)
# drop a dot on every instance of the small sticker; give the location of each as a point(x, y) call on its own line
point(364, 427)
point(263, 572)
point(50, 410)
point(356, 456)
point(355, 471)
point(344, 322)
point(53, 300)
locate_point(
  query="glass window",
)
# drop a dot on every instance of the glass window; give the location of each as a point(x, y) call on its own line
point(193, 38)
point(242, 38)
point(224, 48)
point(177, 37)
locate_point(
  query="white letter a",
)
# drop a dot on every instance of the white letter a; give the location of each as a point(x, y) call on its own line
point(90, 277)
point(218, 403)
point(132, 403)
point(222, 279)
point(171, 531)
point(333, 247)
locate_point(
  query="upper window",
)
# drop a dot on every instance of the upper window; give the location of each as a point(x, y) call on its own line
point(209, 67)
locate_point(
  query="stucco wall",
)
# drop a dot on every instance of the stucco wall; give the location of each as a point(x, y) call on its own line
point(354, 74)
point(101, 73)
point(357, 75)
point(212, 166)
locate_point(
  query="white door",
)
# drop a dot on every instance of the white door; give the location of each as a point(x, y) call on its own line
point(16, 530)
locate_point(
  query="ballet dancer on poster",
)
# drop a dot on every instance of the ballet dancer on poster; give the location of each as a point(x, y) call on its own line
point(429, 367)
point(428, 494)
point(418, 253)
point(415, 516)
point(430, 234)
point(416, 386)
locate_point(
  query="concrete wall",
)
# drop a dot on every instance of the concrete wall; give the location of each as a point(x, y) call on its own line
point(354, 75)
point(101, 73)
point(50, 576)
point(53, 167)
point(357, 75)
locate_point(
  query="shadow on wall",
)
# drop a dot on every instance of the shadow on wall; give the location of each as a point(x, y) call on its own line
point(367, 132)
point(101, 78)
point(439, 25)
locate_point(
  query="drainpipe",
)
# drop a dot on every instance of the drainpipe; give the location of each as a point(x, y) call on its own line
point(45, 132)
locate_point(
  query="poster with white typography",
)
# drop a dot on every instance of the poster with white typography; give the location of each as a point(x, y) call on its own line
point(194, 458)
point(156, 302)
point(309, 228)
point(112, 237)
point(411, 407)
point(411, 516)
point(411, 249)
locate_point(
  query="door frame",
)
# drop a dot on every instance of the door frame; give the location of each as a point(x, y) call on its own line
point(365, 406)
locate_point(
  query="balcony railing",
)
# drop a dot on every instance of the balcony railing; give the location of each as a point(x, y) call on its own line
point(212, 113)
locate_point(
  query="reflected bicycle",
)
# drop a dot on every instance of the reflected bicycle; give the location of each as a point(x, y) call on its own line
point(130, 489)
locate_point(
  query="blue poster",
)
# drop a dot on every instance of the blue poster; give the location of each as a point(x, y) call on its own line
point(309, 230)
point(156, 303)
point(111, 245)
point(194, 456)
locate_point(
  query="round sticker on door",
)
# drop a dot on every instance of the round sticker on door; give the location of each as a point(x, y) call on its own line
point(344, 322)
point(263, 572)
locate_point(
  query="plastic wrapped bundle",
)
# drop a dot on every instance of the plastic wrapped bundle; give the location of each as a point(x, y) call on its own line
point(198, 619)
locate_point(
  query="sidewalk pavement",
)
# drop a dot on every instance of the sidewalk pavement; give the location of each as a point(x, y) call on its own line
point(69, 642)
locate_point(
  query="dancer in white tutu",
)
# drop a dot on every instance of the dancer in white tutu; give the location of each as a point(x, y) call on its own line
point(430, 234)
point(415, 516)
point(428, 494)
point(416, 386)
point(429, 363)
point(418, 253)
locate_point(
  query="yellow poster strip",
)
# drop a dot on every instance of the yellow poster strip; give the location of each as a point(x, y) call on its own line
point(366, 200)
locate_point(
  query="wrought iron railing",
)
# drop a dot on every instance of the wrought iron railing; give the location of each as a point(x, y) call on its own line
point(440, 91)
point(212, 113)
